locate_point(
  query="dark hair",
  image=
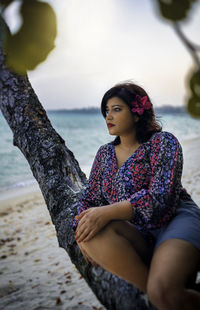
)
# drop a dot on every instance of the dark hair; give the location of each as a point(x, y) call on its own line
point(147, 124)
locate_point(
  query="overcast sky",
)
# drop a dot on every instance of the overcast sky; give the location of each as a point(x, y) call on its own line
point(103, 42)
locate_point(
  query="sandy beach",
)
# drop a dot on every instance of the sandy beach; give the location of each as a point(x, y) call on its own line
point(34, 272)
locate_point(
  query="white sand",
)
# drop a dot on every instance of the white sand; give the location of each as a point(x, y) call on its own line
point(34, 272)
point(191, 168)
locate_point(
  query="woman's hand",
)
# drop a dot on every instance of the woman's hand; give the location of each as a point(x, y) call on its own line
point(91, 221)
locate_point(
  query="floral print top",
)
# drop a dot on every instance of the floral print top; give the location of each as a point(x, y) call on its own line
point(150, 179)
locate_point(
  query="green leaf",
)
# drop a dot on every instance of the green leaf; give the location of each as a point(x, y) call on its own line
point(195, 83)
point(35, 39)
point(5, 3)
point(193, 103)
point(193, 106)
point(175, 10)
point(194, 1)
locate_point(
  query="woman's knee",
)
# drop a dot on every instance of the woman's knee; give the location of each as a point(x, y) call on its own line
point(105, 234)
point(162, 294)
point(155, 291)
point(98, 240)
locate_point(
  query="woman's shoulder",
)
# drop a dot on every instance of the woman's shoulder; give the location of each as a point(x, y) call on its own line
point(104, 149)
point(163, 141)
point(163, 137)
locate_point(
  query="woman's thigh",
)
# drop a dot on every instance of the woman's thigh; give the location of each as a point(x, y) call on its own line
point(126, 230)
point(173, 262)
point(134, 236)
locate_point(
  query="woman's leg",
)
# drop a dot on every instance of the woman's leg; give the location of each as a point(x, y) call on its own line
point(173, 263)
point(113, 249)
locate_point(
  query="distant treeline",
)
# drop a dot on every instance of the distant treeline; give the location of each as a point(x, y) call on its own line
point(166, 109)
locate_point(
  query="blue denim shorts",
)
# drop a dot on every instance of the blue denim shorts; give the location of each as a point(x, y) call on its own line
point(185, 225)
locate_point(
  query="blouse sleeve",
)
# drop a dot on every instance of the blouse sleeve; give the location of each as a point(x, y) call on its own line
point(158, 202)
point(92, 195)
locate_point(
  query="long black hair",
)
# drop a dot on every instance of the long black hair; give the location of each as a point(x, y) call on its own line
point(147, 124)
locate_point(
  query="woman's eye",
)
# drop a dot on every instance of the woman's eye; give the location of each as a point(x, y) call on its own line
point(117, 109)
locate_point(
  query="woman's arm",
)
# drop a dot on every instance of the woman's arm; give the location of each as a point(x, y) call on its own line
point(157, 204)
point(94, 219)
point(92, 195)
point(120, 211)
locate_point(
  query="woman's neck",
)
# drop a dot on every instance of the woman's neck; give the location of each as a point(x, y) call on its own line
point(129, 141)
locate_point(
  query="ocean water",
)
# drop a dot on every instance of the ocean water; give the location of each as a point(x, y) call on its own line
point(83, 134)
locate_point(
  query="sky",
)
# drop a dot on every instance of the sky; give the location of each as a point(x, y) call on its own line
point(103, 42)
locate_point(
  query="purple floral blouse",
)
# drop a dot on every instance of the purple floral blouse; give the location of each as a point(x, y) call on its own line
point(150, 179)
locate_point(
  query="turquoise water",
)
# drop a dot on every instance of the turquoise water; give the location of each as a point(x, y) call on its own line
point(83, 134)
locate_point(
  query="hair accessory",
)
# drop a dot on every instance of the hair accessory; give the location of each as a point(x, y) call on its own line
point(140, 104)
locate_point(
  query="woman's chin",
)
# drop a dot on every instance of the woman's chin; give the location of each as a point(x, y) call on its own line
point(112, 132)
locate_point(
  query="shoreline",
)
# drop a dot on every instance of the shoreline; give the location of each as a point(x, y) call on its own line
point(17, 192)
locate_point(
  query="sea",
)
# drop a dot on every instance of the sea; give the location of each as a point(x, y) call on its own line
point(84, 131)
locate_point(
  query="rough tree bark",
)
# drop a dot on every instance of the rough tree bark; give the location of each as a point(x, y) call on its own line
point(60, 179)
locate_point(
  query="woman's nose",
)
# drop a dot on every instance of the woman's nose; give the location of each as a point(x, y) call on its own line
point(109, 115)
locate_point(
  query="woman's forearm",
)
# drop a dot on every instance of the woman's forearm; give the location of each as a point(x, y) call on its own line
point(120, 211)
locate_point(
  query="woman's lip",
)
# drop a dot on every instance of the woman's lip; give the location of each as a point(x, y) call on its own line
point(110, 125)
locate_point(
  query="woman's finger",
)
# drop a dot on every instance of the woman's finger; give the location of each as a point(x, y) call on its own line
point(81, 237)
point(80, 227)
point(89, 236)
point(82, 234)
point(79, 216)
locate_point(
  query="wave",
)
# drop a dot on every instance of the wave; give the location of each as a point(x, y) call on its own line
point(21, 184)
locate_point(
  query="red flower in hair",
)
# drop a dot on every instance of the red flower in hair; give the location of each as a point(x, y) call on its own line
point(140, 104)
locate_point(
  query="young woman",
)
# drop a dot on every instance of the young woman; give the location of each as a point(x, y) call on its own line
point(135, 219)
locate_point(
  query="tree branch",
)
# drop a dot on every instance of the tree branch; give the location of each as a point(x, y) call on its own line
point(192, 48)
point(60, 179)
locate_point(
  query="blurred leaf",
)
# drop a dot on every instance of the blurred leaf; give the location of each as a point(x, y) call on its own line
point(4, 30)
point(34, 40)
point(175, 10)
point(195, 83)
point(193, 104)
point(193, 1)
point(5, 3)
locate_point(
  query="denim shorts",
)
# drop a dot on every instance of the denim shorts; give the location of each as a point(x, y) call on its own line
point(185, 226)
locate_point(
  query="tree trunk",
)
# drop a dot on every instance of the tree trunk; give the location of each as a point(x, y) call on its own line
point(60, 179)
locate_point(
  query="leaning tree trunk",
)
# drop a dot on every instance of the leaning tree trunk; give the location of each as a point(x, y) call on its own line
point(60, 179)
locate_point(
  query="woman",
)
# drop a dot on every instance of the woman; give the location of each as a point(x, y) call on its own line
point(135, 219)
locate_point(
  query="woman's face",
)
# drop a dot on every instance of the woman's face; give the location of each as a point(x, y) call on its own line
point(119, 119)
